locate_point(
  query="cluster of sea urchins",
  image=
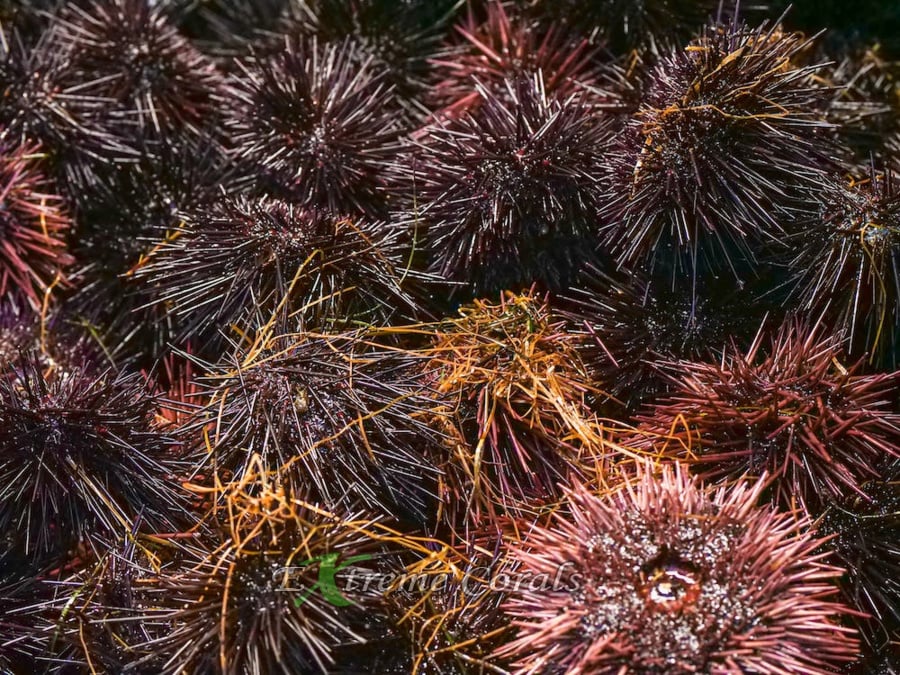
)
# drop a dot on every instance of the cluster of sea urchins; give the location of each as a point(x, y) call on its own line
point(448, 337)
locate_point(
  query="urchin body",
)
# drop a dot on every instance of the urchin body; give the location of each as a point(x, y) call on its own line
point(34, 107)
point(131, 74)
point(866, 531)
point(663, 576)
point(80, 455)
point(448, 623)
point(633, 324)
point(815, 425)
point(511, 392)
point(256, 603)
point(714, 161)
point(848, 261)
point(508, 195)
point(124, 212)
point(240, 259)
point(320, 123)
point(625, 25)
point(509, 45)
point(335, 420)
point(396, 37)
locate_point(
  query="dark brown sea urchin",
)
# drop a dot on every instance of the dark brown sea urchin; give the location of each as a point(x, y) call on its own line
point(318, 123)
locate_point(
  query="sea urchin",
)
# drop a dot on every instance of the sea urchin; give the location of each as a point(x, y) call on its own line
point(716, 156)
point(509, 194)
point(664, 576)
point(789, 408)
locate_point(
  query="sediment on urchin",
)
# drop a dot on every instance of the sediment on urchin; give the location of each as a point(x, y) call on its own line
point(788, 406)
point(512, 398)
point(664, 575)
point(256, 602)
point(130, 73)
point(318, 123)
point(715, 159)
point(33, 225)
point(846, 262)
point(338, 420)
point(506, 44)
point(238, 259)
point(633, 324)
point(508, 195)
point(80, 454)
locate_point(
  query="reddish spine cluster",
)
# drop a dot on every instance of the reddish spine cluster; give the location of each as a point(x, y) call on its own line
point(789, 408)
point(33, 226)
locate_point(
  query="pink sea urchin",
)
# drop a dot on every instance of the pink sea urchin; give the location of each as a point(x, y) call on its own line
point(665, 576)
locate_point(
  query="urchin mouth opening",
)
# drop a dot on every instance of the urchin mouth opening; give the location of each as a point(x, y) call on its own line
point(669, 582)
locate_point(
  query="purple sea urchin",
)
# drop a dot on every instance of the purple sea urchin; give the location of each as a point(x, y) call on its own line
point(787, 406)
point(866, 531)
point(512, 393)
point(508, 46)
point(227, 27)
point(865, 104)
point(664, 576)
point(318, 123)
point(633, 325)
point(449, 614)
point(848, 261)
point(33, 107)
point(122, 214)
point(256, 602)
point(509, 194)
point(129, 73)
point(623, 25)
point(33, 224)
point(396, 37)
point(84, 616)
point(237, 258)
point(24, 629)
point(334, 418)
point(79, 452)
point(714, 160)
